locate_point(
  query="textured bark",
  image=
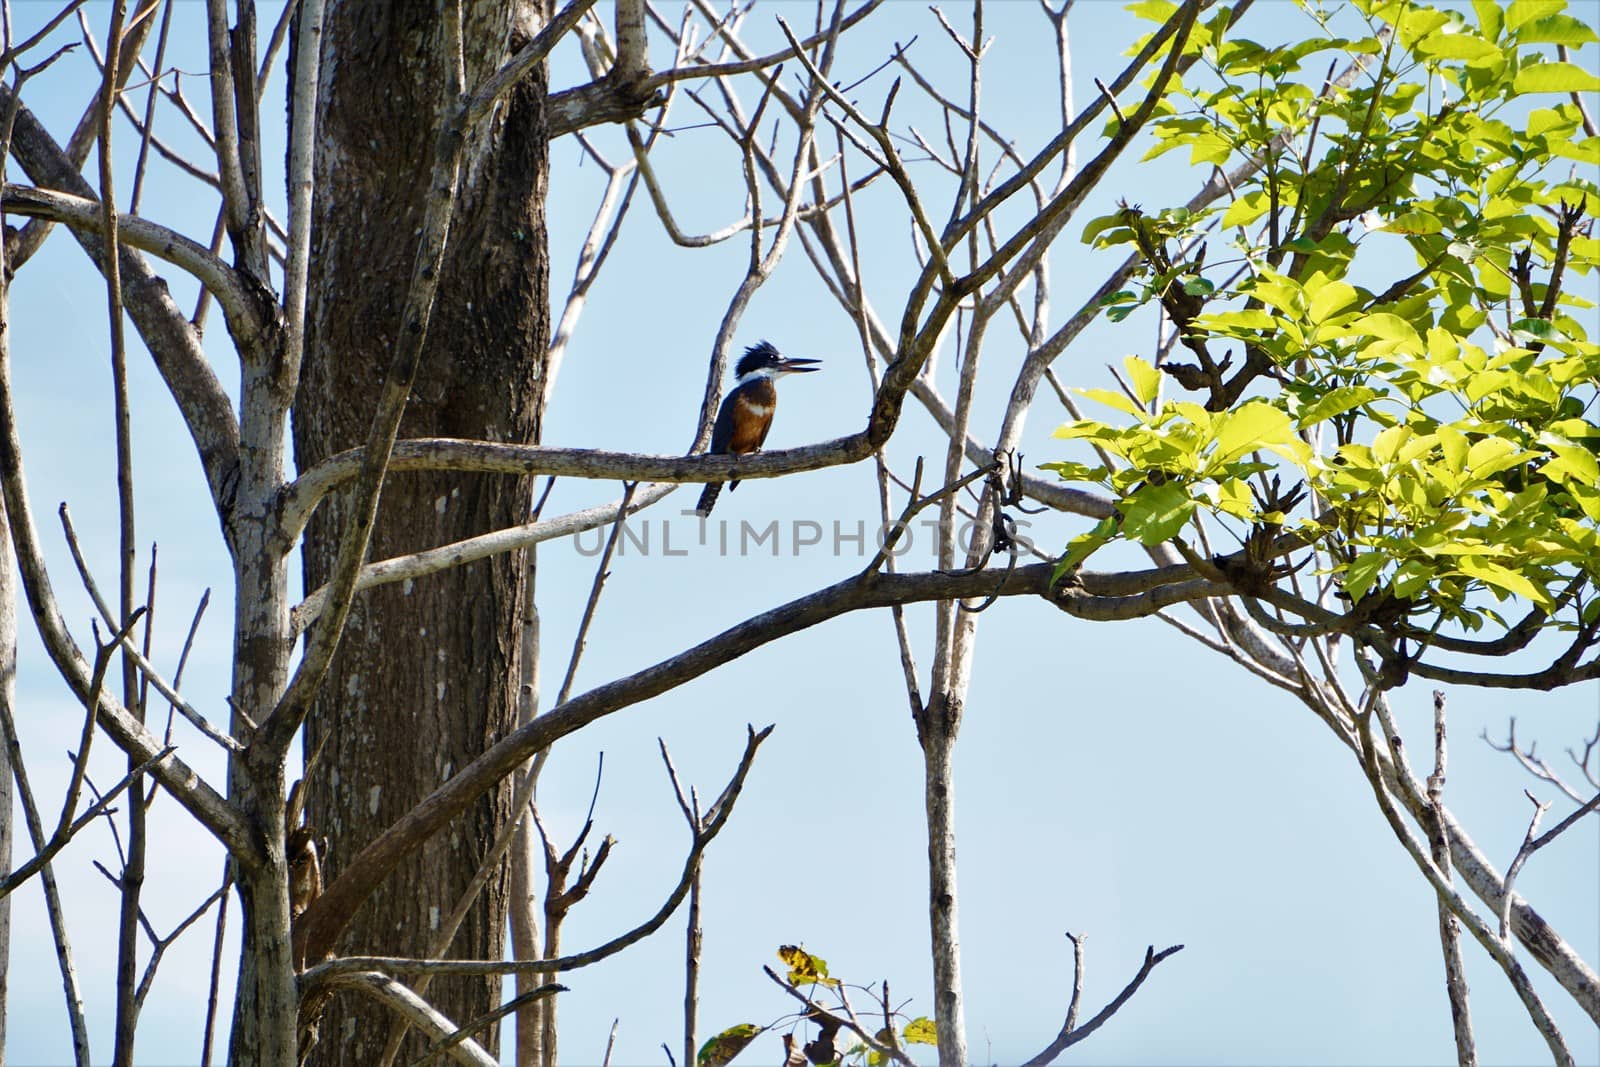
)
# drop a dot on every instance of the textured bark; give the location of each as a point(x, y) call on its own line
point(426, 675)
point(8, 695)
point(937, 727)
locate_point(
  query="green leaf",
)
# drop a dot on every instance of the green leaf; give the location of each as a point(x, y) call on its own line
point(1249, 427)
point(1502, 578)
point(1573, 463)
point(1456, 46)
point(1145, 379)
point(1557, 29)
point(1330, 299)
point(1584, 151)
point(1521, 12)
point(1489, 17)
point(1555, 78)
point(921, 1031)
point(1386, 327)
point(1386, 446)
point(1083, 546)
point(720, 1050)
point(1413, 223)
point(1113, 399)
point(1412, 577)
point(1246, 209)
point(1335, 402)
point(1152, 10)
point(1096, 227)
point(1156, 512)
point(1069, 471)
point(1197, 286)
point(1251, 319)
point(1361, 573)
point(1453, 444)
point(1491, 455)
point(1526, 330)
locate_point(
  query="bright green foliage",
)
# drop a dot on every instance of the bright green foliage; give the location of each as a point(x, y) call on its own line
point(1386, 311)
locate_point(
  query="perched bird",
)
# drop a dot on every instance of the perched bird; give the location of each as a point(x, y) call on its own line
point(746, 414)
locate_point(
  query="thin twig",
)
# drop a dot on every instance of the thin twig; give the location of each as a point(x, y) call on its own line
point(600, 576)
point(1069, 1037)
point(169, 692)
point(215, 984)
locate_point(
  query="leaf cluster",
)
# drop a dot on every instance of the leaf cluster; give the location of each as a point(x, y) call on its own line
point(1394, 266)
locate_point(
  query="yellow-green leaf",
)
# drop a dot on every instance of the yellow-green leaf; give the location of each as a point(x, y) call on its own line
point(1156, 513)
point(720, 1050)
point(1521, 12)
point(804, 968)
point(1362, 572)
point(1335, 401)
point(1386, 446)
point(1456, 46)
point(1246, 209)
point(1453, 445)
point(1145, 379)
point(1153, 10)
point(1387, 327)
point(1251, 319)
point(921, 1031)
point(1502, 578)
point(1557, 29)
point(1331, 299)
point(1251, 426)
point(1490, 456)
point(1555, 78)
point(1083, 546)
point(1112, 399)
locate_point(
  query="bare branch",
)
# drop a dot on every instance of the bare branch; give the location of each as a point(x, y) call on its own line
point(172, 341)
point(52, 895)
point(1069, 1036)
point(441, 1048)
point(324, 919)
point(495, 87)
point(129, 734)
point(1497, 947)
point(1539, 808)
point(749, 63)
point(413, 1009)
point(66, 832)
point(434, 560)
point(1449, 928)
point(702, 839)
point(302, 132)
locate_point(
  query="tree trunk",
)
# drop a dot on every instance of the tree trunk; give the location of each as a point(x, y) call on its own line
point(8, 697)
point(937, 727)
point(426, 675)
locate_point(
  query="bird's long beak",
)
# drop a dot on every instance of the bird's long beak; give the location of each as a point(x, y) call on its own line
point(798, 366)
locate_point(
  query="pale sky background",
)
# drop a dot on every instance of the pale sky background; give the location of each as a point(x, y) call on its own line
point(1117, 781)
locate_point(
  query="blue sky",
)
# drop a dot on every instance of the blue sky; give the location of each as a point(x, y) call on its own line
point(1114, 780)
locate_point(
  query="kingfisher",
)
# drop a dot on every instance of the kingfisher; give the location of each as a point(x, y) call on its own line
point(746, 413)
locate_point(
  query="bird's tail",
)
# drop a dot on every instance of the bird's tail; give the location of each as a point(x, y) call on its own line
point(708, 498)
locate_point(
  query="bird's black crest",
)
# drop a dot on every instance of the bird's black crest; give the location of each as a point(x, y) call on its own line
point(761, 354)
